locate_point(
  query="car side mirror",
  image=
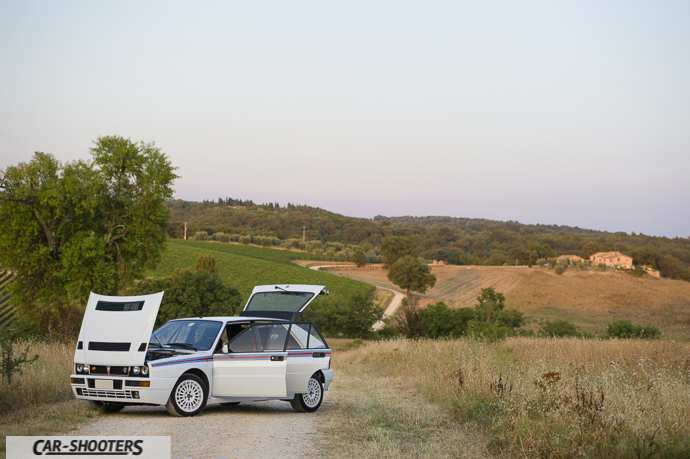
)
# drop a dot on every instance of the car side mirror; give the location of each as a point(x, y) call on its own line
point(224, 349)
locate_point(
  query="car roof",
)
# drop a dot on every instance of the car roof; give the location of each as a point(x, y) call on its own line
point(231, 319)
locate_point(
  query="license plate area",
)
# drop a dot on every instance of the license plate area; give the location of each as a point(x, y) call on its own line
point(103, 383)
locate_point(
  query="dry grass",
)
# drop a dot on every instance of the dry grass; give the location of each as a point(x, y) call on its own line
point(374, 414)
point(533, 397)
point(39, 401)
point(591, 300)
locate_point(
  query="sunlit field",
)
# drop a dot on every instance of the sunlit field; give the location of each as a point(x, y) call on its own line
point(532, 397)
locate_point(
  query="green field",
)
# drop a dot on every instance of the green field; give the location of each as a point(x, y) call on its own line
point(244, 267)
point(275, 255)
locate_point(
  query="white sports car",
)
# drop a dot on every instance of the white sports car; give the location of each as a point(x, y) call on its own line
point(264, 354)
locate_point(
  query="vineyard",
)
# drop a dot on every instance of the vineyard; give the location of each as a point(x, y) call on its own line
point(245, 267)
point(6, 309)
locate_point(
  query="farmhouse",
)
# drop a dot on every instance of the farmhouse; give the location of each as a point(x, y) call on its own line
point(613, 260)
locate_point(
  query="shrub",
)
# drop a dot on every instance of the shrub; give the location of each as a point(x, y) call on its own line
point(190, 293)
point(350, 317)
point(510, 318)
point(625, 329)
point(222, 237)
point(245, 240)
point(541, 261)
point(10, 365)
point(409, 319)
point(441, 321)
point(558, 328)
point(487, 331)
point(560, 268)
point(200, 236)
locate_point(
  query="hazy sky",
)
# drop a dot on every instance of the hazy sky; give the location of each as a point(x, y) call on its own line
point(571, 113)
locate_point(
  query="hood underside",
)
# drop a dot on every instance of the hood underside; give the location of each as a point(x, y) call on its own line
point(116, 329)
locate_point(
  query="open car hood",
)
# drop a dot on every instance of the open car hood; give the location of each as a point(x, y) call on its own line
point(281, 301)
point(116, 329)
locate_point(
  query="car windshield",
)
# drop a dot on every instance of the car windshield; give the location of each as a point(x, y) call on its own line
point(278, 301)
point(195, 335)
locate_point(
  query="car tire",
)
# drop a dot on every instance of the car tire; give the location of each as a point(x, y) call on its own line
point(188, 397)
point(109, 407)
point(310, 401)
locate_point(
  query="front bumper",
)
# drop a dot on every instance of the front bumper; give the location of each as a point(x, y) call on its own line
point(115, 389)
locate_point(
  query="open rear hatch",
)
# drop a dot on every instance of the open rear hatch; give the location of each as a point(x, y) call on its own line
point(116, 329)
point(281, 301)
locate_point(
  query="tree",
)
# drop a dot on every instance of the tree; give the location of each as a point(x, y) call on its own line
point(412, 274)
point(359, 258)
point(490, 302)
point(441, 321)
point(190, 293)
point(67, 229)
point(206, 262)
point(396, 247)
point(410, 319)
point(592, 247)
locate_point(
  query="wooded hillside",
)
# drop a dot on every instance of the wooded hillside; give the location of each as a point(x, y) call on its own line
point(456, 240)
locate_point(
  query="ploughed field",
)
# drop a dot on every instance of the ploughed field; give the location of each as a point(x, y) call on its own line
point(589, 299)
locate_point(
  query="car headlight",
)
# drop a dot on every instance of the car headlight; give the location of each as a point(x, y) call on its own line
point(145, 370)
point(80, 368)
point(135, 370)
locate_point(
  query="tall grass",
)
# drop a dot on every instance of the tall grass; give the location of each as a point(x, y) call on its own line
point(39, 401)
point(554, 398)
point(44, 381)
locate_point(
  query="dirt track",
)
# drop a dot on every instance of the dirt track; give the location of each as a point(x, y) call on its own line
point(261, 430)
point(397, 295)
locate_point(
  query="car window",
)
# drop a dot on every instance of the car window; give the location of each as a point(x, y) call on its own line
point(299, 335)
point(315, 341)
point(272, 337)
point(199, 334)
point(246, 342)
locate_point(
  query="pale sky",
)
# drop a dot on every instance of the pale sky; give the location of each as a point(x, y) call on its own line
point(572, 113)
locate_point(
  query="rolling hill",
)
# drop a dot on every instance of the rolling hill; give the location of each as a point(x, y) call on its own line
point(589, 299)
point(244, 267)
point(460, 241)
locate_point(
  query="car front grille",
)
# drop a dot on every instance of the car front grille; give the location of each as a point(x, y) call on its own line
point(105, 370)
point(107, 394)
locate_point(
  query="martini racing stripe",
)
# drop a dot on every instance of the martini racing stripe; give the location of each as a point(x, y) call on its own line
point(258, 356)
point(175, 362)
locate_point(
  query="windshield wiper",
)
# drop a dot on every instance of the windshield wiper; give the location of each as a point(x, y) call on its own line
point(159, 341)
point(185, 345)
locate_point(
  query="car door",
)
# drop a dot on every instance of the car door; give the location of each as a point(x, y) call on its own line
point(255, 365)
point(307, 354)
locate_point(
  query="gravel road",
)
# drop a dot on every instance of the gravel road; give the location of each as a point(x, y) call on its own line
point(261, 430)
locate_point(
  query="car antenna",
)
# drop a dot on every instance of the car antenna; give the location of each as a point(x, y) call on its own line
point(281, 288)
